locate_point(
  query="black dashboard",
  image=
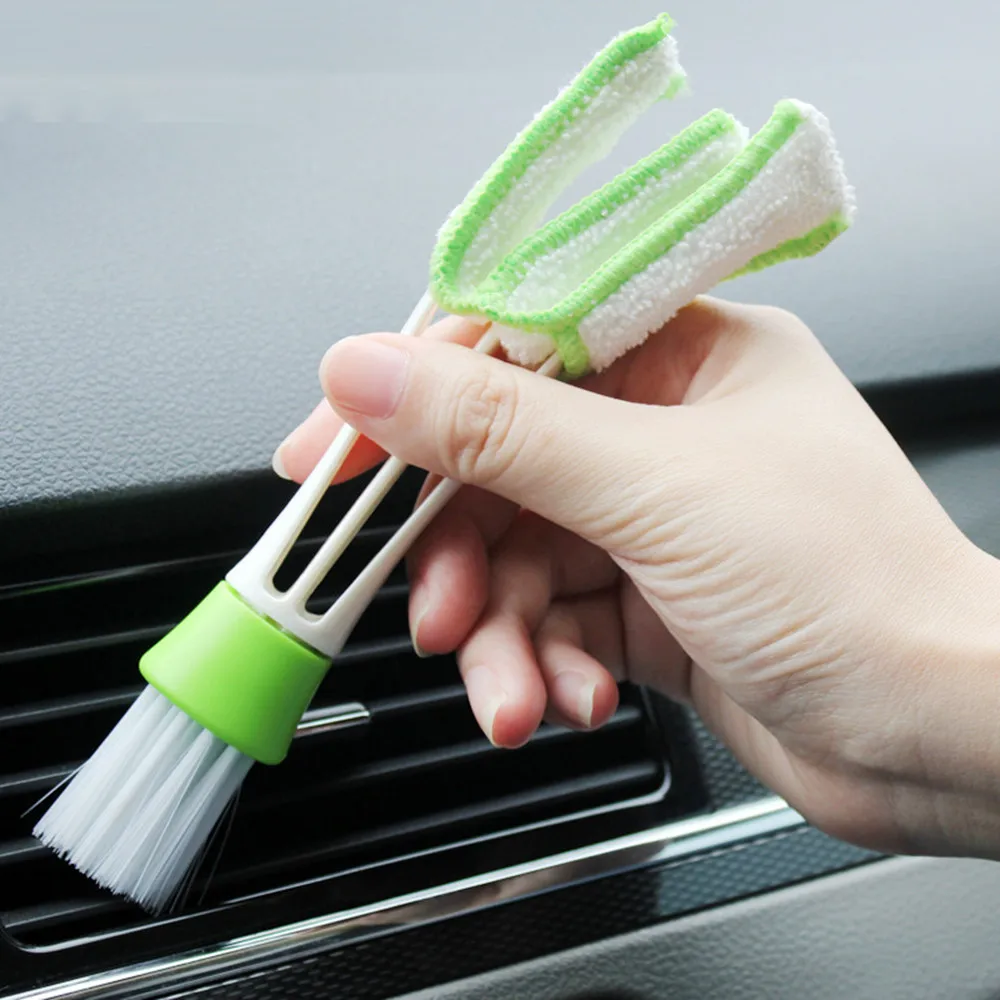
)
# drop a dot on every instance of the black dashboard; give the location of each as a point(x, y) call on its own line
point(225, 192)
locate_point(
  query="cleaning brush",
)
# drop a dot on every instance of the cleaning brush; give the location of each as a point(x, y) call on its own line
point(230, 683)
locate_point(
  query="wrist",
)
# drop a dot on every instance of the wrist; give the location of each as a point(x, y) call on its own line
point(951, 665)
point(960, 736)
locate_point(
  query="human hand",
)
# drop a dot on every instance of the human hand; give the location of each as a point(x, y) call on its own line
point(719, 516)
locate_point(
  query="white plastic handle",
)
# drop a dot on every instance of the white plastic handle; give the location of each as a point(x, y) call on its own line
point(362, 509)
point(253, 576)
point(339, 620)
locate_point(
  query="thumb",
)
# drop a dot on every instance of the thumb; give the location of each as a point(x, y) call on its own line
point(571, 456)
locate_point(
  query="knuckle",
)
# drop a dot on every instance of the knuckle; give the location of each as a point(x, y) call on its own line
point(560, 624)
point(779, 321)
point(480, 436)
point(752, 316)
point(789, 320)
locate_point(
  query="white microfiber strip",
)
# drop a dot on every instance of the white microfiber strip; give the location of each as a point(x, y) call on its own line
point(529, 349)
point(557, 274)
point(799, 189)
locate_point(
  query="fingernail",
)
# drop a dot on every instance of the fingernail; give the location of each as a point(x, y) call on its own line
point(487, 696)
point(365, 376)
point(420, 604)
point(277, 463)
point(414, 632)
point(575, 691)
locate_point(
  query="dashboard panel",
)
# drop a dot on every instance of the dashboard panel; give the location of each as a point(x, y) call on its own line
point(226, 192)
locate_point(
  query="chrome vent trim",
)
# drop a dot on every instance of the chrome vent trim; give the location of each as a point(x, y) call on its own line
point(329, 720)
point(671, 841)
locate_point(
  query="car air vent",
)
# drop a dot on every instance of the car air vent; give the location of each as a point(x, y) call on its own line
point(389, 762)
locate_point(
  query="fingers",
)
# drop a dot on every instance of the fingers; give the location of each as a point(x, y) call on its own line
point(303, 448)
point(503, 681)
point(580, 644)
point(549, 605)
point(561, 673)
point(296, 456)
point(579, 652)
point(511, 679)
point(698, 356)
point(449, 569)
point(571, 456)
point(497, 660)
point(654, 656)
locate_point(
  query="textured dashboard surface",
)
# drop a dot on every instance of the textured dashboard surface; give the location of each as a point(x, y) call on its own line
point(269, 178)
point(901, 930)
point(273, 174)
point(518, 931)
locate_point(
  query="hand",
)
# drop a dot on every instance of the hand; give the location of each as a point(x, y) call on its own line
point(719, 516)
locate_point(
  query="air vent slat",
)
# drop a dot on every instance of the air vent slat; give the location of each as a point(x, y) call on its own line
point(326, 813)
point(414, 774)
point(18, 851)
point(518, 807)
point(37, 918)
point(105, 643)
point(386, 708)
point(108, 662)
point(154, 596)
point(454, 753)
point(68, 707)
point(374, 649)
point(26, 782)
point(30, 878)
point(55, 741)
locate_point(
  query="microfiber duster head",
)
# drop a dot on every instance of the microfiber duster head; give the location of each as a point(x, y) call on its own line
point(579, 128)
point(597, 280)
point(783, 195)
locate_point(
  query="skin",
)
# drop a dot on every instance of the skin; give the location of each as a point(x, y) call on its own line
point(719, 516)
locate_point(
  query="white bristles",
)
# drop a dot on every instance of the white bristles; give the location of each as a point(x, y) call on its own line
point(138, 814)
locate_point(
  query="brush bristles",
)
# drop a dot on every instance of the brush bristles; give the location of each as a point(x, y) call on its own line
point(137, 816)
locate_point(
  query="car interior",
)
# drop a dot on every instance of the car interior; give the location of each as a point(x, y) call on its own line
point(196, 200)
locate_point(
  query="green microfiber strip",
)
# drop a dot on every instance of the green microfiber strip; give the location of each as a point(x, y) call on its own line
point(572, 351)
point(660, 238)
point(492, 294)
point(458, 233)
point(597, 206)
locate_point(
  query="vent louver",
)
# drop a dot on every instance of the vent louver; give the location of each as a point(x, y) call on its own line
point(391, 765)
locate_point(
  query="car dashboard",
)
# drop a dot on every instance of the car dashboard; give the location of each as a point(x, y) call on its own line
point(212, 200)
